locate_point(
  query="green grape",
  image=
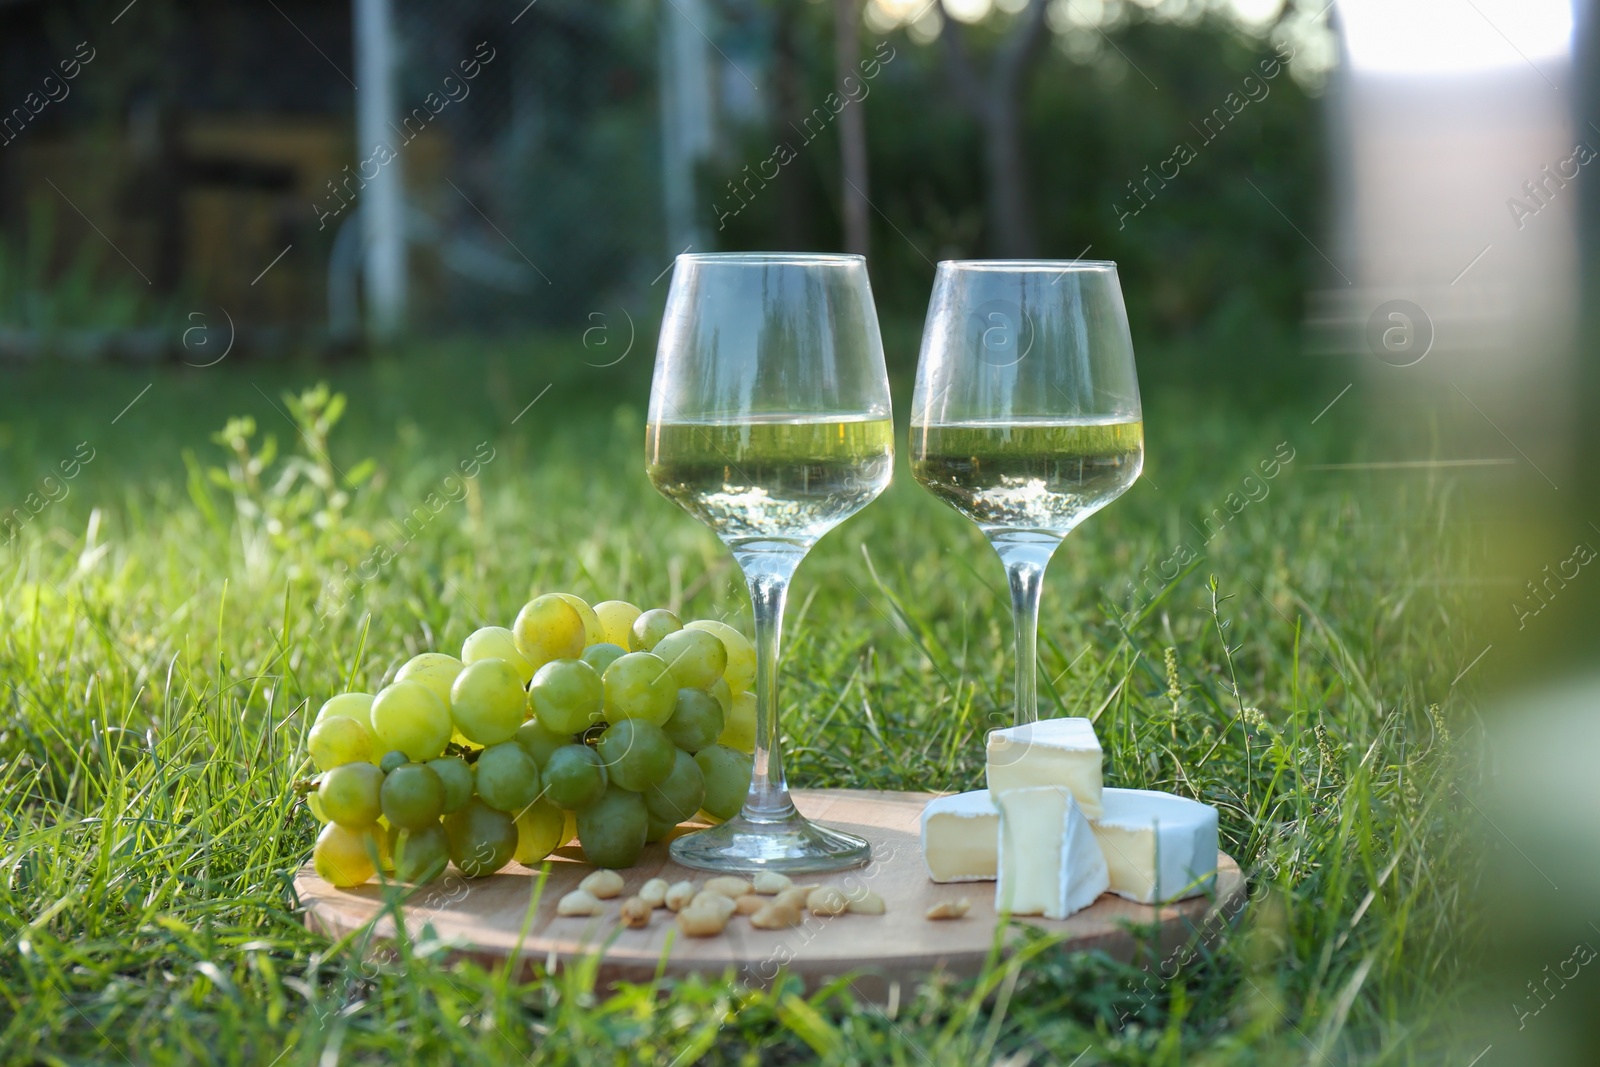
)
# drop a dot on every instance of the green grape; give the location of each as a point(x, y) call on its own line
point(507, 778)
point(679, 795)
point(410, 717)
point(482, 840)
point(336, 741)
point(496, 642)
point(616, 621)
point(741, 669)
point(724, 695)
point(567, 695)
point(357, 706)
point(344, 857)
point(740, 729)
point(488, 702)
point(612, 831)
point(391, 760)
point(727, 775)
point(420, 855)
point(538, 742)
point(639, 686)
point(432, 669)
point(539, 827)
point(696, 658)
point(456, 777)
point(593, 632)
point(651, 627)
point(413, 796)
point(637, 754)
point(349, 795)
point(314, 802)
point(658, 829)
point(603, 655)
point(696, 720)
point(569, 828)
point(574, 777)
point(548, 628)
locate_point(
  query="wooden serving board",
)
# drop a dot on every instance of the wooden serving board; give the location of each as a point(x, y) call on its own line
point(489, 919)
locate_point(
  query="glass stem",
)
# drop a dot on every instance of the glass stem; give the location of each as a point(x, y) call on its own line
point(767, 571)
point(1025, 562)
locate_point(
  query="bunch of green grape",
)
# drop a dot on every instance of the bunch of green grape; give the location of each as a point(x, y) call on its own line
point(606, 725)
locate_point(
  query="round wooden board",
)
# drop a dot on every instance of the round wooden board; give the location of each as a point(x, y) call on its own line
point(489, 918)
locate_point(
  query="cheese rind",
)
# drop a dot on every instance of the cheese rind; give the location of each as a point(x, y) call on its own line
point(960, 835)
point(1063, 752)
point(1049, 862)
point(1159, 847)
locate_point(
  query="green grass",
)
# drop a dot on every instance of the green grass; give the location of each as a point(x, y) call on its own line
point(164, 634)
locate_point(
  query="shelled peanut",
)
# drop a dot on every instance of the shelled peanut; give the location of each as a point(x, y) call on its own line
point(768, 900)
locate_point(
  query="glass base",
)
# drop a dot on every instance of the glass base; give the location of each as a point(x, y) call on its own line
point(791, 844)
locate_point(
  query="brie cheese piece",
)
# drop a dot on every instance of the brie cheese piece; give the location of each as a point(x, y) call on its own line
point(1050, 863)
point(1159, 847)
point(1062, 752)
point(960, 835)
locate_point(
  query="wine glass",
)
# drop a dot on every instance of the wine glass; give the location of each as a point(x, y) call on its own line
point(1026, 416)
point(769, 422)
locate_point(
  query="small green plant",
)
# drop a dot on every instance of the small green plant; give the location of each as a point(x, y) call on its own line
point(291, 506)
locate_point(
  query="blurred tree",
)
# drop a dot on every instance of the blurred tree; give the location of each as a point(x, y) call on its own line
point(1214, 276)
point(996, 101)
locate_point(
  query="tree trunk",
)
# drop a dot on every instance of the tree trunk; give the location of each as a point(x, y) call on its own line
point(996, 102)
point(1006, 179)
point(852, 125)
point(794, 193)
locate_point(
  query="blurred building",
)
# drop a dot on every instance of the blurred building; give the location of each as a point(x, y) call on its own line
point(204, 156)
point(194, 148)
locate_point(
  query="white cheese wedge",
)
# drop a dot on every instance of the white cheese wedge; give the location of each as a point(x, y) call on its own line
point(960, 837)
point(1050, 863)
point(1159, 847)
point(1062, 752)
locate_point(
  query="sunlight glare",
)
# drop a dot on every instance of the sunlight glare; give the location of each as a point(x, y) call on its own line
point(968, 10)
point(1451, 36)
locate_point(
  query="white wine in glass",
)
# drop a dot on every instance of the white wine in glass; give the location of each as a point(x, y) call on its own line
point(1026, 415)
point(1031, 474)
point(770, 423)
point(772, 477)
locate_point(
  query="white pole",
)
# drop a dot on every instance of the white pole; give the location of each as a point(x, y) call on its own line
point(685, 116)
point(383, 198)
